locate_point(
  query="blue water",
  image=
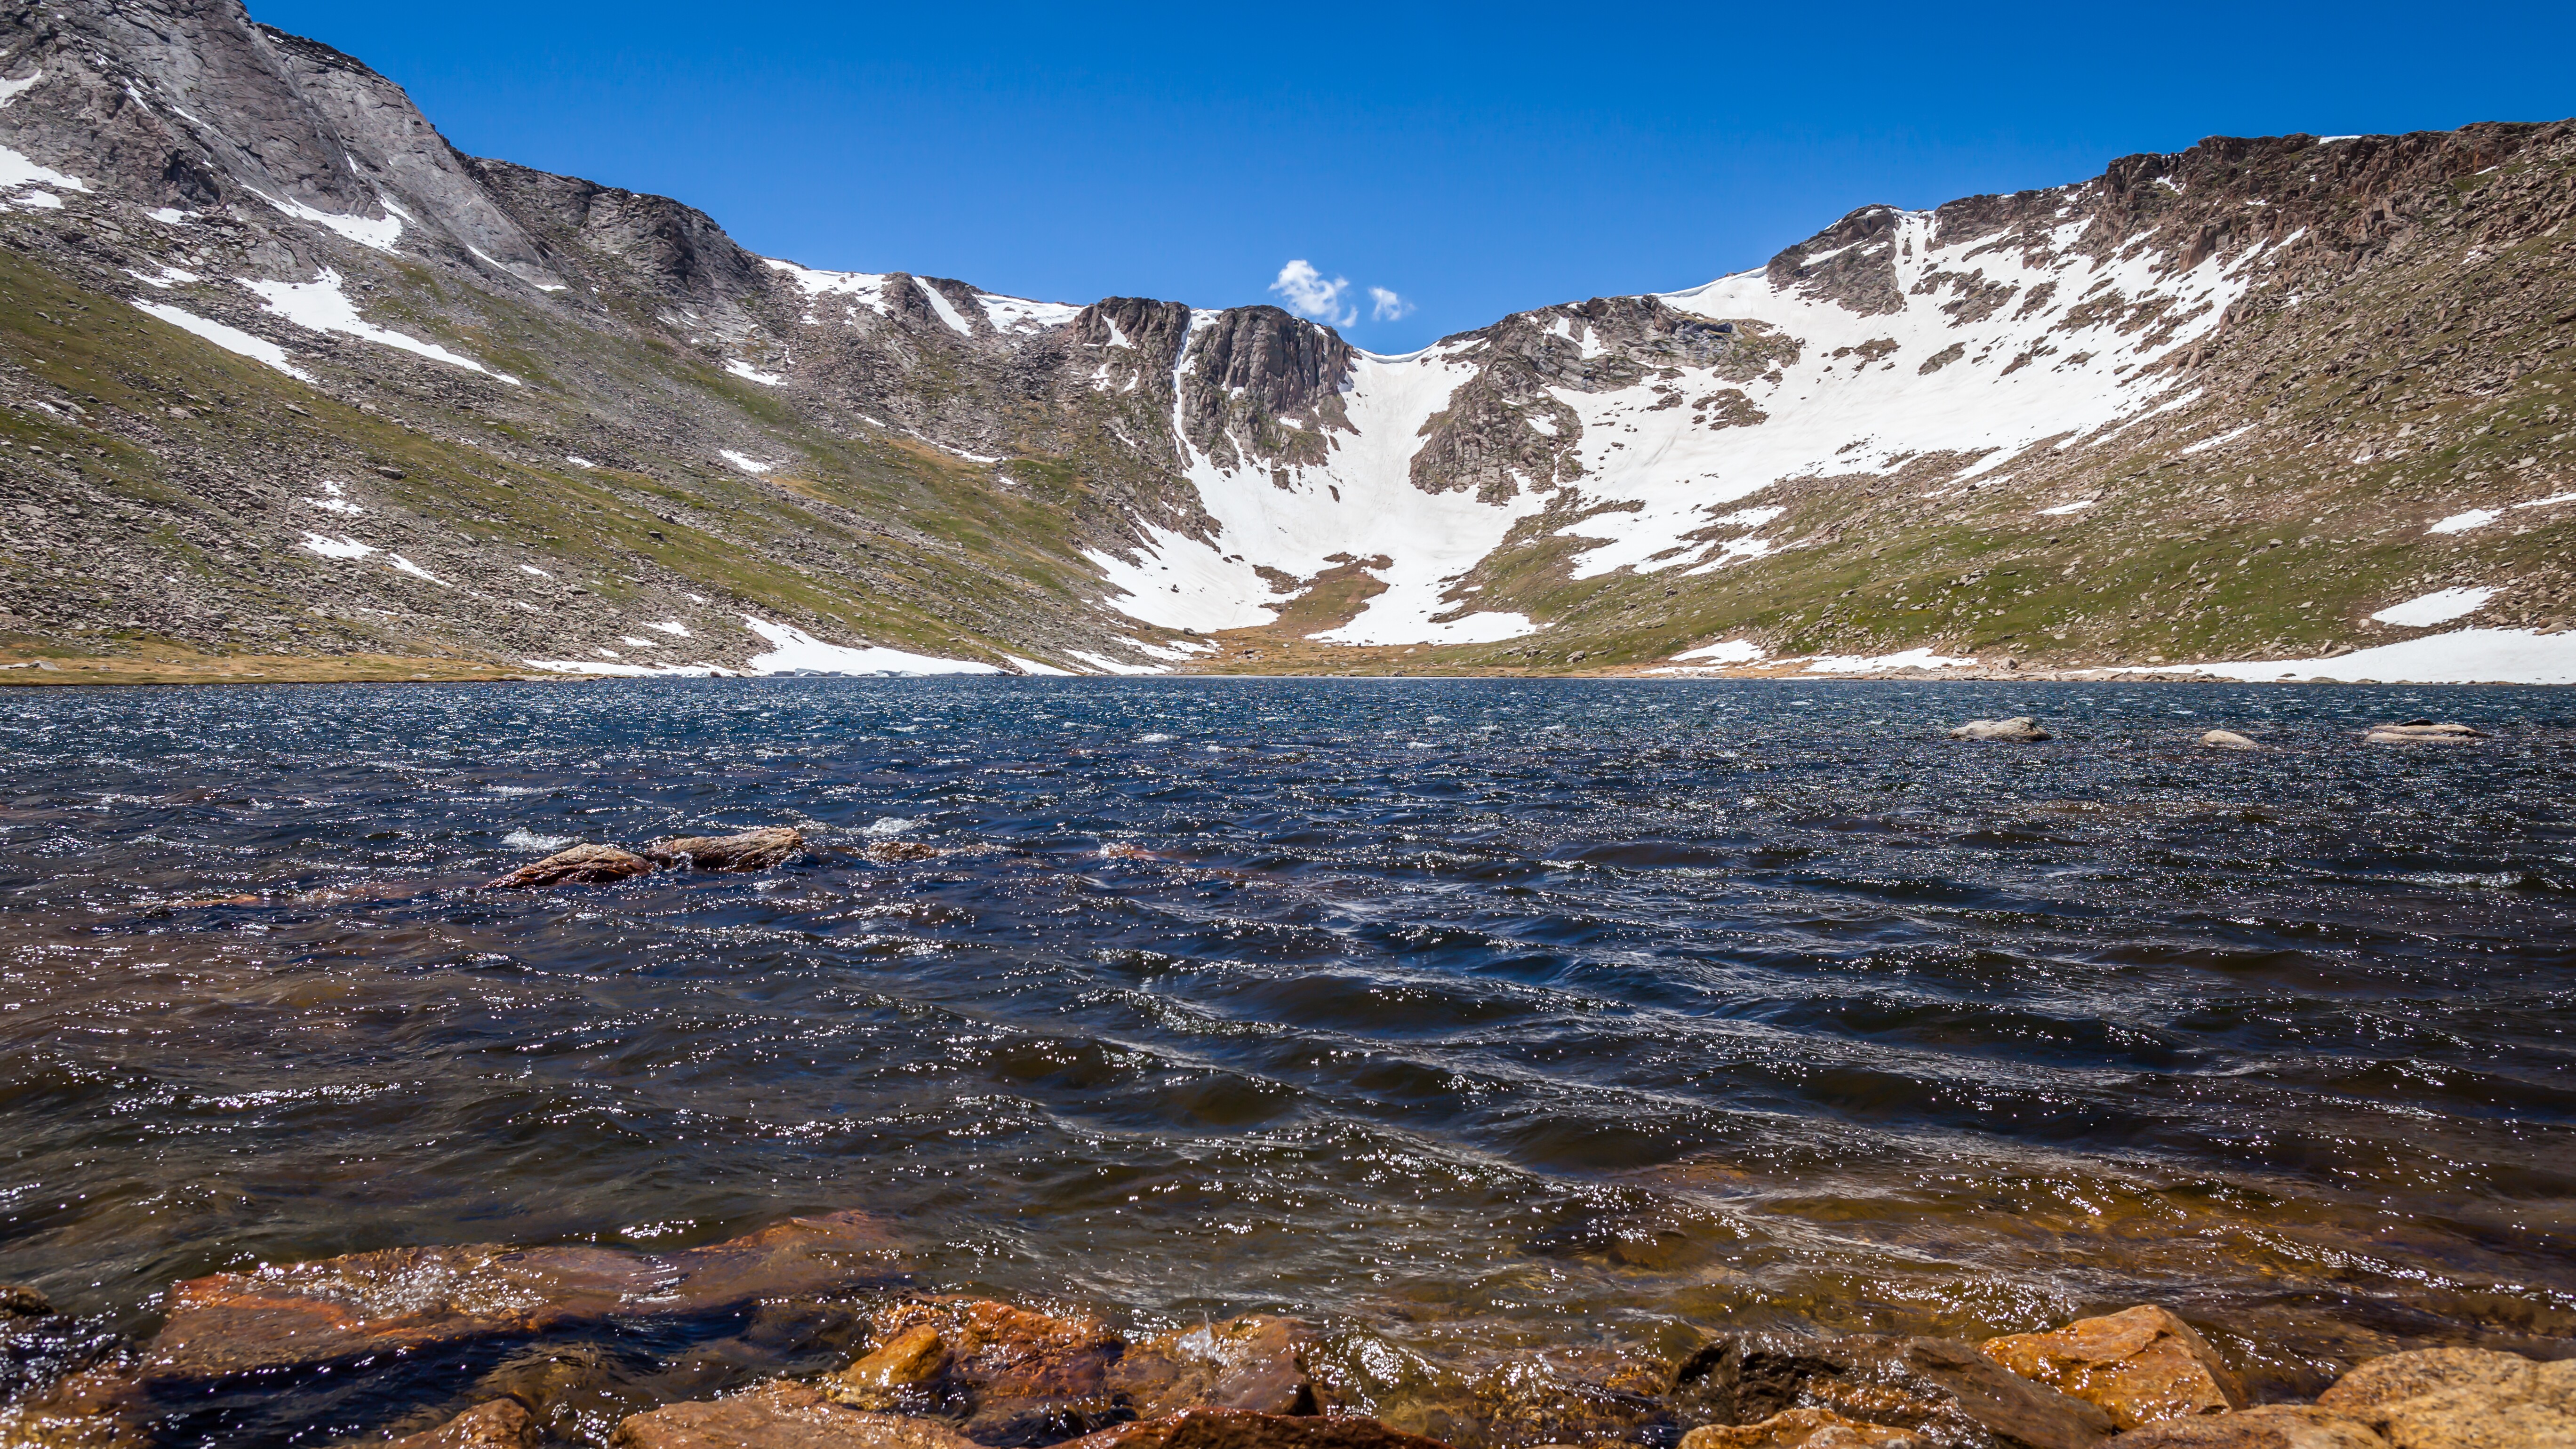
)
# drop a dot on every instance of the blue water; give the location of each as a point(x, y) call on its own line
point(1465, 1017)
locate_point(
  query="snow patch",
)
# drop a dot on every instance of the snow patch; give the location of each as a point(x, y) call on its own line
point(792, 648)
point(1724, 651)
point(1031, 666)
point(2078, 506)
point(2463, 522)
point(1909, 659)
point(321, 306)
point(1010, 313)
point(2463, 656)
point(404, 565)
point(231, 339)
point(16, 170)
point(2439, 607)
point(673, 626)
point(752, 466)
point(743, 369)
point(946, 309)
point(378, 232)
point(335, 499)
point(330, 547)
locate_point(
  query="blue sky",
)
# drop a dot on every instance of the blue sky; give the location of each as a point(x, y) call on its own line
point(1469, 160)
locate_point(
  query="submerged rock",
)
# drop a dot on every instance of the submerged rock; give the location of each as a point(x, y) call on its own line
point(1940, 1388)
point(892, 852)
point(2141, 1365)
point(2272, 1426)
point(1240, 1429)
point(2421, 731)
point(779, 1415)
point(2020, 727)
point(500, 1424)
point(581, 865)
point(1803, 1429)
point(2228, 740)
point(397, 1299)
point(17, 1300)
point(760, 849)
point(1257, 1363)
point(2460, 1398)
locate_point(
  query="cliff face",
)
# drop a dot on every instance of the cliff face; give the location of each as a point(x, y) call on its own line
point(284, 372)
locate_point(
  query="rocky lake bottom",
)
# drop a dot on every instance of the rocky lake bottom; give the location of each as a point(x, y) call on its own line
point(1518, 1063)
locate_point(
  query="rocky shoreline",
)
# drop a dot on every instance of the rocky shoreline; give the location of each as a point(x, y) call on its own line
point(915, 1369)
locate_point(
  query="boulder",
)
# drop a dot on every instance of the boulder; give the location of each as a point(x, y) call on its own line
point(17, 1300)
point(2272, 1426)
point(1802, 1429)
point(751, 850)
point(1241, 1429)
point(2141, 1365)
point(779, 1415)
point(910, 1360)
point(500, 1424)
point(581, 865)
point(1257, 1363)
point(2421, 731)
point(1939, 1388)
point(2460, 1398)
point(2228, 740)
point(394, 1300)
point(2020, 727)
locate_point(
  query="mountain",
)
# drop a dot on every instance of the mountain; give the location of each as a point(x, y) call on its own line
point(291, 387)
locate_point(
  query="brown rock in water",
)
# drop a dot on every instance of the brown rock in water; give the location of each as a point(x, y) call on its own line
point(2272, 1426)
point(751, 850)
point(1014, 1375)
point(1940, 1388)
point(396, 1299)
point(2019, 728)
point(2461, 1398)
point(2228, 740)
point(2421, 731)
point(581, 865)
point(17, 1300)
point(780, 1415)
point(1802, 1429)
point(2141, 1364)
point(890, 852)
point(1255, 1363)
point(1238, 1429)
point(912, 1359)
point(500, 1424)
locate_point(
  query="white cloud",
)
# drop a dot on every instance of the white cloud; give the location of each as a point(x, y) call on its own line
point(1305, 290)
point(1386, 306)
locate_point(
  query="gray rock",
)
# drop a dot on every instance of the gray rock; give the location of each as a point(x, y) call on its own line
point(2421, 732)
point(751, 850)
point(2020, 728)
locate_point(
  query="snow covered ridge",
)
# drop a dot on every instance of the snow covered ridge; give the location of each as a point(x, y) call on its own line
point(1977, 348)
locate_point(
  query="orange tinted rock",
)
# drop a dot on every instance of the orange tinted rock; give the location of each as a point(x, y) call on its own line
point(780, 1415)
point(1238, 1429)
point(1801, 1429)
point(2273, 1426)
point(500, 1424)
point(911, 1359)
point(581, 865)
point(2461, 1398)
point(404, 1298)
point(2142, 1365)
